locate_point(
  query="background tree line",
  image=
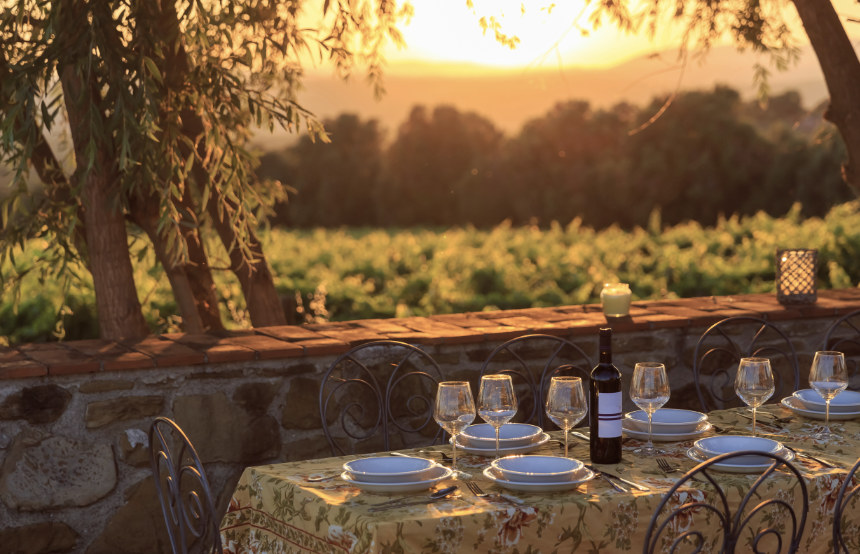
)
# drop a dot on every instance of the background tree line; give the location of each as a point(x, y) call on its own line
point(710, 153)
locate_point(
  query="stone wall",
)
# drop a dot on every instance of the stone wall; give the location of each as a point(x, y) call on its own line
point(74, 416)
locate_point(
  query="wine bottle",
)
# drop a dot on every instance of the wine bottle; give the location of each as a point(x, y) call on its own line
point(605, 406)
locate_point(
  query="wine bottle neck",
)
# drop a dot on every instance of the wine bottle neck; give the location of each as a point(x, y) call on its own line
point(605, 346)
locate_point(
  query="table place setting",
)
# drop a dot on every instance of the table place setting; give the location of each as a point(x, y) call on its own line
point(538, 473)
point(514, 438)
point(711, 447)
point(668, 425)
point(394, 474)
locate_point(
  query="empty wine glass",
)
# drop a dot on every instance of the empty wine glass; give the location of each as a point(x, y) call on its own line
point(454, 411)
point(828, 376)
point(565, 403)
point(497, 403)
point(754, 383)
point(650, 391)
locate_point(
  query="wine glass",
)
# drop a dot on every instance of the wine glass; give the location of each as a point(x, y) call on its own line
point(828, 376)
point(454, 411)
point(497, 403)
point(649, 390)
point(565, 403)
point(754, 383)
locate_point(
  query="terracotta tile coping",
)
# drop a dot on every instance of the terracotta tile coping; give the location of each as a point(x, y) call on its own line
point(268, 343)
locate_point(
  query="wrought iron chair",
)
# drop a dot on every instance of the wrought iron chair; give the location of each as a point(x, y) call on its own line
point(844, 336)
point(845, 543)
point(183, 490)
point(679, 517)
point(719, 351)
point(378, 396)
point(532, 361)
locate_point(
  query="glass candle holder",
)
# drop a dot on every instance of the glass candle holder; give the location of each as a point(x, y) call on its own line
point(615, 298)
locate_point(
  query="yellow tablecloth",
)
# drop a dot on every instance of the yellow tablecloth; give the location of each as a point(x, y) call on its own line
point(274, 508)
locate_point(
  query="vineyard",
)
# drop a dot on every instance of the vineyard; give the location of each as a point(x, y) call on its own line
point(343, 274)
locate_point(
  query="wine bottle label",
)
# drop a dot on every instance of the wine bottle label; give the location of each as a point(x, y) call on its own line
point(609, 414)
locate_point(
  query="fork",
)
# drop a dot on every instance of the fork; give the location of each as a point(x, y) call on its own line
point(668, 467)
point(476, 489)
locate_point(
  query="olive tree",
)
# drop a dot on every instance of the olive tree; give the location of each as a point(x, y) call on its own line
point(156, 100)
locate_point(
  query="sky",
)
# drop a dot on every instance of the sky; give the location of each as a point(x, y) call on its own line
point(449, 60)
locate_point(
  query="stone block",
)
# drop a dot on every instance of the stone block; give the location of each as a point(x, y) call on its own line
point(301, 405)
point(38, 538)
point(124, 408)
point(223, 431)
point(134, 448)
point(105, 385)
point(39, 404)
point(137, 527)
point(255, 398)
point(56, 473)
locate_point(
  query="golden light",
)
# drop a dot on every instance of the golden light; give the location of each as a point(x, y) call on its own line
point(448, 32)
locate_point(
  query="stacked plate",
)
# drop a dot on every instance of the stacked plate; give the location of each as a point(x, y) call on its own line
point(704, 449)
point(808, 403)
point(667, 425)
point(393, 473)
point(514, 438)
point(537, 473)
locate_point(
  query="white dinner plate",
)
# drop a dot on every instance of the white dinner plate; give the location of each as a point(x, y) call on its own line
point(439, 473)
point(537, 469)
point(795, 406)
point(390, 469)
point(667, 437)
point(666, 420)
point(724, 444)
point(586, 475)
point(847, 401)
point(503, 451)
point(727, 467)
point(483, 435)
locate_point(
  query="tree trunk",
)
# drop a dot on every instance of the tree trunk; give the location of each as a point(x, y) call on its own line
point(117, 305)
point(841, 70)
point(258, 286)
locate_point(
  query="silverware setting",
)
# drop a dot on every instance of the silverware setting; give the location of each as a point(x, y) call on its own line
point(668, 467)
point(607, 476)
point(822, 461)
point(476, 489)
point(318, 478)
point(438, 496)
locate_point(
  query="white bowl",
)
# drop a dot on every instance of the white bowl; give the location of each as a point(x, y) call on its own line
point(483, 435)
point(845, 401)
point(666, 420)
point(390, 469)
point(714, 446)
point(537, 469)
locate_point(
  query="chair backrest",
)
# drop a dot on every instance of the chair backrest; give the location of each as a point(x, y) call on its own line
point(765, 520)
point(844, 336)
point(847, 542)
point(380, 396)
point(719, 351)
point(532, 361)
point(183, 490)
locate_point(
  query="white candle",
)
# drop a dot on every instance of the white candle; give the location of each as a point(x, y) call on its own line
point(616, 299)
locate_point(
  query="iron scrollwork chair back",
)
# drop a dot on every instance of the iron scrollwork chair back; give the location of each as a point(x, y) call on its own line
point(719, 351)
point(674, 523)
point(844, 336)
point(846, 543)
point(377, 390)
point(183, 490)
point(522, 357)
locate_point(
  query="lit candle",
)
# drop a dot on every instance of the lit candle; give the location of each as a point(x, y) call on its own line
point(616, 299)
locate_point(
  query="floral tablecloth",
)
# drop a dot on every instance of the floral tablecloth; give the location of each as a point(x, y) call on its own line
point(275, 509)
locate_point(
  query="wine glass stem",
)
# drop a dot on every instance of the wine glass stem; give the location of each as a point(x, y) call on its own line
point(565, 442)
point(650, 445)
point(497, 442)
point(753, 420)
point(454, 454)
point(827, 416)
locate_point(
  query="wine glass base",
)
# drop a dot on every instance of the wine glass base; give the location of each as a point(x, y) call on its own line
point(645, 451)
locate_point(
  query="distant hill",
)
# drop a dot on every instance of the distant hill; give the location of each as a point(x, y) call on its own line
point(511, 99)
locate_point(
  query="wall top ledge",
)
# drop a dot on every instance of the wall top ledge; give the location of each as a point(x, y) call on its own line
point(270, 343)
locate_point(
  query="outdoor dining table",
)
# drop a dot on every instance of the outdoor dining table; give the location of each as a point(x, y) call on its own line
point(276, 509)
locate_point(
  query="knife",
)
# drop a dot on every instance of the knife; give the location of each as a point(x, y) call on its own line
point(636, 486)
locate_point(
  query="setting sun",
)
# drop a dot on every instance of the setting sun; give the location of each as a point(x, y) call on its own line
point(449, 32)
